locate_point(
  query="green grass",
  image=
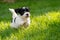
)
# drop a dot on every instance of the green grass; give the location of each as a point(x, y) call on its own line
point(45, 21)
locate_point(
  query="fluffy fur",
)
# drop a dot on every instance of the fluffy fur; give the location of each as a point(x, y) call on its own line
point(20, 16)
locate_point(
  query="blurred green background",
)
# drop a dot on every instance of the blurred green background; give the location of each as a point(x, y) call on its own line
point(45, 20)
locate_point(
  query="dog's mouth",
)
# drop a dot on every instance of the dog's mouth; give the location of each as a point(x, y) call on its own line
point(27, 16)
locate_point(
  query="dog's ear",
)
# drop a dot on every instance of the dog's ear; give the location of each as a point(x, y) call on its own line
point(26, 8)
point(17, 10)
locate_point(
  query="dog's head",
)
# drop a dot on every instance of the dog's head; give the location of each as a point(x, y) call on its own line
point(24, 12)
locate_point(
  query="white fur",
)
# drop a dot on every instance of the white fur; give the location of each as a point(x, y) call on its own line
point(20, 20)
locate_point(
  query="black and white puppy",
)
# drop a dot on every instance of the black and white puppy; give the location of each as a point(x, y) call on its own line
point(20, 16)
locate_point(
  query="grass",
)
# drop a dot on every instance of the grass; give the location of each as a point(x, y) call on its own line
point(45, 21)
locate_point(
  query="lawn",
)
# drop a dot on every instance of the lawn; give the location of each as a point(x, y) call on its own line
point(45, 20)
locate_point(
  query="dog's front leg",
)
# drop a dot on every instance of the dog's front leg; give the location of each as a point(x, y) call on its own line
point(26, 24)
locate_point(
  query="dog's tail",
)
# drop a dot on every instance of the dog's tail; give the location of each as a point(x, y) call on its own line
point(13, 12)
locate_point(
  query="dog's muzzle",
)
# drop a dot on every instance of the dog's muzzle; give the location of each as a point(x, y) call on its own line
point(27, 14)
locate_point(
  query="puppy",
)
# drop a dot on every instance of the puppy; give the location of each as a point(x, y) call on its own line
point(20, 16)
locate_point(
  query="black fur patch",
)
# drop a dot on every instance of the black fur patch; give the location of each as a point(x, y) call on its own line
point(22, 10)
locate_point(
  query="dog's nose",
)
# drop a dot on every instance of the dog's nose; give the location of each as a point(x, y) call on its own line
point(27, 14)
